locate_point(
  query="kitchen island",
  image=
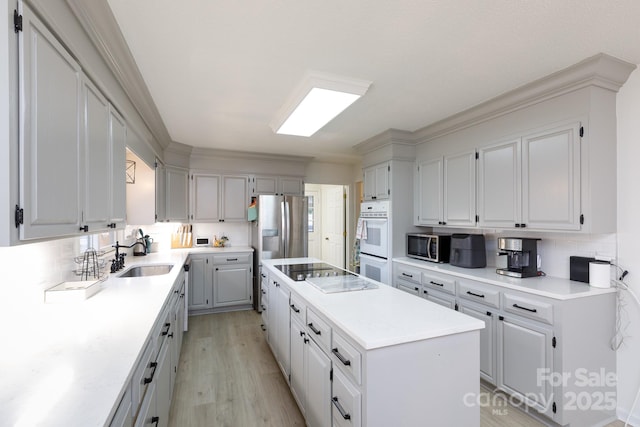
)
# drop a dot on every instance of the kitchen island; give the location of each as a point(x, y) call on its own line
point(394, 359)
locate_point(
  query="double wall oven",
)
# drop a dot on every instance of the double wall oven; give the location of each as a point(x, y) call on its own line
point(374, 245)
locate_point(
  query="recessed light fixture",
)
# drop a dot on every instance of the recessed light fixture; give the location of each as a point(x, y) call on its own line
point(316, 101)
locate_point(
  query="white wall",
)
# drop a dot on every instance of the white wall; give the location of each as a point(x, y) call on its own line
point(628, 175)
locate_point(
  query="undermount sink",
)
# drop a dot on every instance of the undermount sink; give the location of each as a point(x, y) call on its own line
point(147, 270)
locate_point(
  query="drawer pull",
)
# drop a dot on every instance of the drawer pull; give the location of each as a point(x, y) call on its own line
point(407, 275)
point(154, 365)
point(294, 308)
point(232, 259)
point(436, 283)
point(340, 409)
point(168, 326)
point(313, 328)
point(475, 295)
point(532, 310)
point(340, 357)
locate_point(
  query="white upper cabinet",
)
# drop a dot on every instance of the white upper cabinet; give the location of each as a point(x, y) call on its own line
point(219, 197)
point(278, 185)
point(177, 196)
point(118, 136)
point(446, 188)
point(532, 182)
point(376, 182)
point(429, 188)
point(205, 197)
point(161, 198)
point(459, 207)
point(499, 184)
point(551, 178)
point(50, 80)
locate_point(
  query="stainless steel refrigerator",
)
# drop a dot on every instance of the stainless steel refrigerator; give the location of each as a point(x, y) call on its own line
point(280, 231)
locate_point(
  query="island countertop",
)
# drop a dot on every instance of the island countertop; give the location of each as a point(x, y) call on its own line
point(380, 317)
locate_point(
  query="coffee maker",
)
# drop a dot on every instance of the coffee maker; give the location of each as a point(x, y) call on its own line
point(522, 256)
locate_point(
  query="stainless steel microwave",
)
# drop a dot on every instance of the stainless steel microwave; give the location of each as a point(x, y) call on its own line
point(429, 247)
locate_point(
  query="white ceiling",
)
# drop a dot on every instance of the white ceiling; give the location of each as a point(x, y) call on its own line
point(219, 71)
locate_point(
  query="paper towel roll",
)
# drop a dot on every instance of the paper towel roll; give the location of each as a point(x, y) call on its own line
point(600, 274)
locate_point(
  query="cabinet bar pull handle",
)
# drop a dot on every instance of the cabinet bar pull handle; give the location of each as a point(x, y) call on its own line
point(340, 357)
point(232, 259)
point(340, 409)
point(407, 275)
point(154, 365)
point(475, 295)
point(436, 283)
point(315, 331)
point(168, 326)
point(294, 308)
point(532, 310)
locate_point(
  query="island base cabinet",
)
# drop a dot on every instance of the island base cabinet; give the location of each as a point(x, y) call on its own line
point(317, 386)
point(445, 383)
point(298, 344)
point(525, 351)
point(346, 401)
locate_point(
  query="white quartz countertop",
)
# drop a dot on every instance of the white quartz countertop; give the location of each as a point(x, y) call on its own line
point(67, 364)
point(546, 286)
point(379, 317)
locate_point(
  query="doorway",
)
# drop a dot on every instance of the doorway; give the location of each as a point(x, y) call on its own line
point(326, 222)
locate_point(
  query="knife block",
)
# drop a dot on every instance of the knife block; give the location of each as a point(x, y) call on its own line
point(181, 240)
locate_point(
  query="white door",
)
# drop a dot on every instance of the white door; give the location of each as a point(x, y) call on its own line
point(333, 225)
point(459, 207)
point(118, 137)
point(430, 192)
point(315, 220)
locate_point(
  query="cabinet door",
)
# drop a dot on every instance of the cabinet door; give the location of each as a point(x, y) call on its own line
point(50, 133)
point(161, 192)
point(146, 415)
point(525, 351)
point(318, 386)
point(118, 137)
point(499, 197)
point(162, 379)
point(97, 155)
point(298, 344)
point(235, 198)
point(200, 284)
point(281, 333)
point(408, 287)
point(231, 286)
point(430, 192)
point(551, 179)
point(347, 402)
point(438, 298)
point(290, 186)
point(459, 206)
point(382, 190)
point(369, 176)
point(487, 341)
point(177, 196)
point(205, 192)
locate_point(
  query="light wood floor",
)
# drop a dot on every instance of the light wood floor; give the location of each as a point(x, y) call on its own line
point(228, 377)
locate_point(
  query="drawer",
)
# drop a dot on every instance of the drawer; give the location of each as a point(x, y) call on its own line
point(405, 272)
point(161, 330)
point(408, 287)
point(142, 376)
point(440, 283)
point(346, 401)
point(479, 293)
point(319, 330)
point(346, 357)
point(244, 258)
point(528, 307)
point(298, 310)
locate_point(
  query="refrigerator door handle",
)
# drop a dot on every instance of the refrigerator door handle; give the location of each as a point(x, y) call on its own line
point(284, 240)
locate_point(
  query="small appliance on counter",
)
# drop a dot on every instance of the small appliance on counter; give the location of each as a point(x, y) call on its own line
point(429, 247)
point(202, 242)
point(522, 256)
point(468, 251)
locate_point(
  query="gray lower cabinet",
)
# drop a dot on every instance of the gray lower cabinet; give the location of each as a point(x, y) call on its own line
point(487, 339)
point(317, 386)
point(220, 281)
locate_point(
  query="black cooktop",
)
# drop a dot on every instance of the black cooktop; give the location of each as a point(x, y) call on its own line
point(300, 272)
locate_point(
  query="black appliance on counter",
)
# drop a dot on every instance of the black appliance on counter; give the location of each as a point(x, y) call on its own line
point(468, 251)
point(522, 256)
point(429, 247)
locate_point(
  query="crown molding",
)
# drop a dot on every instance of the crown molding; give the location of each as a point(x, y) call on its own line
point(601, 70)
point(100, 25)
point(390, 136)
point(232, 154)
